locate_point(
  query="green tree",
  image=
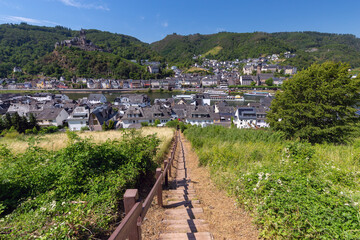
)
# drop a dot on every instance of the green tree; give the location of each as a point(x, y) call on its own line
point(317, 104)
point(269, 82)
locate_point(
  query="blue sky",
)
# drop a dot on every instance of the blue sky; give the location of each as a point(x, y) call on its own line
point(152, 20)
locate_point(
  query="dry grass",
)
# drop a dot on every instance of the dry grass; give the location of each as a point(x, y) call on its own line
point(213, 51)
point(58, 141)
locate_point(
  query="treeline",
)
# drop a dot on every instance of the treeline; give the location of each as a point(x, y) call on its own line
point(309, 47)
point(19, 123)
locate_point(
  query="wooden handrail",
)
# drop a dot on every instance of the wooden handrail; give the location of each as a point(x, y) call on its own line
point(130, 225)
point(126, 225)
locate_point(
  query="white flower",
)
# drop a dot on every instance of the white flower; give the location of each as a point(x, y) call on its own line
point(346, 204)
point(356, 203)
point(267, 175)
point(261, 174)
point(43, 209)
point(341, 193)
point(254, 189)
point(279, 182)
point(53, 205)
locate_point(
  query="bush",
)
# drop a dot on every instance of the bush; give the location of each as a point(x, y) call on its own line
point(57, 194)
point(50, 129)
point(144, 124)
point(84, 128)
point(11, 133)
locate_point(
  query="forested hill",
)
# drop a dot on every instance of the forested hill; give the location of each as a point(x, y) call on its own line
point(308, 46)
point(24, 46)
point(32, 49)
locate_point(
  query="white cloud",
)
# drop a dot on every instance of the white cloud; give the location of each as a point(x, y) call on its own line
point(165, 24)
point(77, 4)
point(27, 20)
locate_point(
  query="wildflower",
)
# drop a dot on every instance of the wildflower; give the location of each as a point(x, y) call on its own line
point(267, 175)
point(254, 189)
point(52, 205)
point(346, 204)
point(43, 209)
point(279, 181)
point(261, 174)
point(356, 203)
point(341, 193)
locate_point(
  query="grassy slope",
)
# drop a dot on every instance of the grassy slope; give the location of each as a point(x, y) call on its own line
point(213, 51)
point(294, 190)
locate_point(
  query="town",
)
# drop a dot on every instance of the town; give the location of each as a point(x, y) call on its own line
point(205, 73)
point(136, 110)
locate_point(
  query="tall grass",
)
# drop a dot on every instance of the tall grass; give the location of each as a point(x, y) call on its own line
point(294, 190)
point(57, 141)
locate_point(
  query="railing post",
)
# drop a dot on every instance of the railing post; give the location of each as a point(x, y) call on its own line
point(170, 163)
point(159, 190)
point(130, 198)
point(166, 173)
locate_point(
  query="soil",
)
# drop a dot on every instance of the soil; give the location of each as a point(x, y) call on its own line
point(227, 220)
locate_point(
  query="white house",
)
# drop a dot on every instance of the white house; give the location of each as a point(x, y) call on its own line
point(201, 116)
point(97, 98)
point(79, 118)
point(245, 117)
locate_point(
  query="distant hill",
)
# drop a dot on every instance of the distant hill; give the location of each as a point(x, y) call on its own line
point(24, 46)
point(309, 46)
point(32, 49)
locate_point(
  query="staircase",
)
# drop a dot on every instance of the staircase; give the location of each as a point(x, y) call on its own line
point(184, 213)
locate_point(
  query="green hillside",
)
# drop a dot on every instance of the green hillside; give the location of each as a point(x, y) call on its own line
point(324, 46)
point(69, 62)
point(25, 45)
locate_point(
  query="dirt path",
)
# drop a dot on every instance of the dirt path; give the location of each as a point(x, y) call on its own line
point(225, 220)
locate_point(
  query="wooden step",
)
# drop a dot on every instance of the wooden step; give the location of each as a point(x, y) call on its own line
point(184, 213)
point(186, 191)
point(187, 228)
point(188, 236)
point(170, 202)
point(184, 221)
point(181, 197)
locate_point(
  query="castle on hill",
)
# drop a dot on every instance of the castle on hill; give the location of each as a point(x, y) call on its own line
point(79, 42)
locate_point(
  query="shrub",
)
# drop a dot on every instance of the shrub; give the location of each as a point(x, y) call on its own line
point(144, 124)
point(57, 194)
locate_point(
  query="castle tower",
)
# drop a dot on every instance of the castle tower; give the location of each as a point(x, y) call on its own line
point(82, 37)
